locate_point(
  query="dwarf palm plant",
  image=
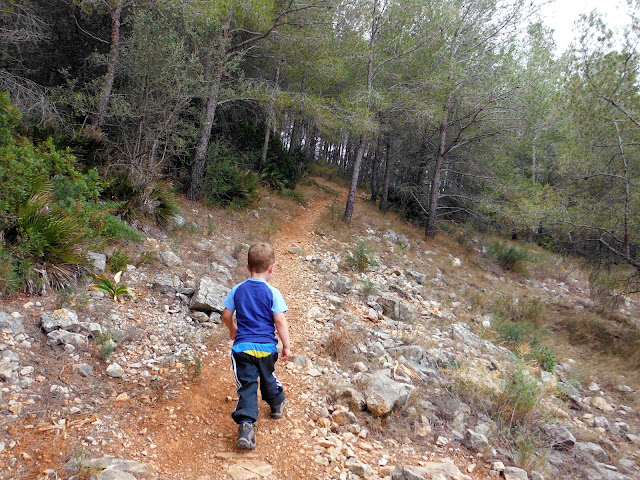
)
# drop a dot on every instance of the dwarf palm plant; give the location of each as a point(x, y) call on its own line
point(117, 291)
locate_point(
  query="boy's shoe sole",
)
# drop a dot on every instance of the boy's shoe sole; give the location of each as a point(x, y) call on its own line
point(278, 411)
point(246, 436)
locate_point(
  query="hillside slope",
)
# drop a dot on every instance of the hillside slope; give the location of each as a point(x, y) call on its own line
point(397, 372)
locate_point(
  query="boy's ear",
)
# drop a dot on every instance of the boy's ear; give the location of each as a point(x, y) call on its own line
point(270, 268)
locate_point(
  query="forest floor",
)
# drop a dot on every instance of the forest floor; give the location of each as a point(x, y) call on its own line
point(181, 424)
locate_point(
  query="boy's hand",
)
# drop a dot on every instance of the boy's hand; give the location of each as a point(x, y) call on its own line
point(286, 353)
point(232, 333)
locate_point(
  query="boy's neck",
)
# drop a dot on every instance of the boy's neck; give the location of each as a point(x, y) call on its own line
point(266, 276)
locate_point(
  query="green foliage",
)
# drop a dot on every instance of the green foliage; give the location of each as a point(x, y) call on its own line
point(368, 287)
point(361, 257)
point(520, 323)
point(146, 258)
point(106, 343)
point(509, 256)
point(193, 367)
point(143, 199)
point(48, 208)
point(546, 358)
point(516, 404)
point(283, 170)
point(117, 291)
point(296, 196)
point(224, 182)
point(118, 261)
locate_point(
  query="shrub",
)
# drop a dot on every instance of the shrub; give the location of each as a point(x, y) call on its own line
point(282, 170)
point(143, 199)
point(368, 287)
point(515, 405)
point(224, 183)
point(48, 207)
point(360, 257)
point(521, 323)
point(339, 343)
point(118, 261)
point(193, 367)
point(509, 257)
point(334, 212)
point(106, 343)
point(296, 196)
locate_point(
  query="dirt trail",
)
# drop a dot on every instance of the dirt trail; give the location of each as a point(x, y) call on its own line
point(193, 435)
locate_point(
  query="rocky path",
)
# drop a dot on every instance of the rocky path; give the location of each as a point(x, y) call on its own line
point(194, 436)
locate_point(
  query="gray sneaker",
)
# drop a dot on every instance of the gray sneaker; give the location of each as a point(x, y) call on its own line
point(278, 411)
point(246, 436)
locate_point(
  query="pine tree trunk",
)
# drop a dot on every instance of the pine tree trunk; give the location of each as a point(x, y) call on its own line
point(199, 158)
point(432, 220)
point(384, 200)
point(351, 197)
point(269, 124)
point(296, 134)
point(112, 66)
point(374, 172)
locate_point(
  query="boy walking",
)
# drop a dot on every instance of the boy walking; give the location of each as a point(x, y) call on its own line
point(260, 311)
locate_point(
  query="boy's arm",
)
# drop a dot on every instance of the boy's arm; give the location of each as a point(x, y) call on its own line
point(283, 332)
point(227, 318)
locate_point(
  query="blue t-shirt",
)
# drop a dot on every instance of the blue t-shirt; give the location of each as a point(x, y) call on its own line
point(255, 303)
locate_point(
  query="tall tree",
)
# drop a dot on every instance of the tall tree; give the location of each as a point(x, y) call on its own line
point(241, 26)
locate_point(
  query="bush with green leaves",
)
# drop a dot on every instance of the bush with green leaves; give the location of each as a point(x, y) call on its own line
point(48, 207)
point(520, 323)
point(361, 257)
point(283, 169)
point(224, 182)
point(118, 261)
point(140, 199)
point(509, 257)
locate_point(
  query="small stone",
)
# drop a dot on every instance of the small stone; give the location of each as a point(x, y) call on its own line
point(98, 261)
point(114, 370)
point(624, 389)
point(26, 370)
point(475, 441)
point(594, 387)
point(16, 408)
point(498, 466)
point(170, 259)
point(456, 262)
point(83, 369)
point(441, 441)
point(123, 397)
point(514, 473)
point(344, 417)
point(601, 404)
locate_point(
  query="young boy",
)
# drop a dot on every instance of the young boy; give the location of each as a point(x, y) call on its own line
point(260, 311)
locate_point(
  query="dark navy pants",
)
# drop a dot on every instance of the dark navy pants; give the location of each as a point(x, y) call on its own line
point(248, 369)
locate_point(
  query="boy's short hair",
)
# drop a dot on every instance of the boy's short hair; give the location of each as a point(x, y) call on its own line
point(261, 257)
